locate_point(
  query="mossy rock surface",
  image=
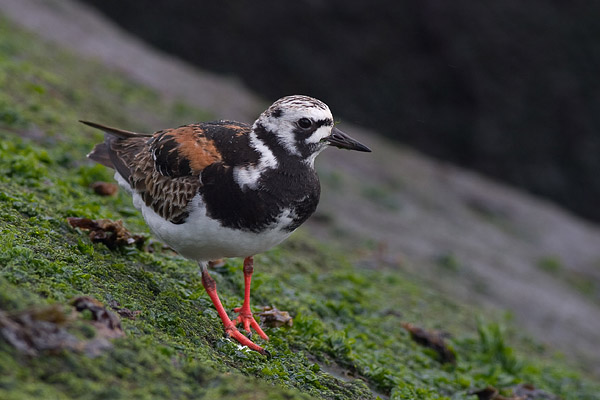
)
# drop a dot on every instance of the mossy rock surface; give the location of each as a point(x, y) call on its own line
point(347, 340)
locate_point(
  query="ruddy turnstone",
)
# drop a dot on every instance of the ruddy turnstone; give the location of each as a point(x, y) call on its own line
point(226, 189)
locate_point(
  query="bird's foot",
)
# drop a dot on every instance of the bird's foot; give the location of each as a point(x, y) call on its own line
point(247, 320)
point(232, 332)
point(245, 313)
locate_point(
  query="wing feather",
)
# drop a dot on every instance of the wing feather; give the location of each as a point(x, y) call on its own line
point(165, 168)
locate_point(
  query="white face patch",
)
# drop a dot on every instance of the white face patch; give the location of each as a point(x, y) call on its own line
point(319, 134)
point(284, 131)
point(286, 139)
point(247, 176)
point(281, 119)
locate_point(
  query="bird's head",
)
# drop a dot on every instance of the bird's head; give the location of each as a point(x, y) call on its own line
point(303, 127)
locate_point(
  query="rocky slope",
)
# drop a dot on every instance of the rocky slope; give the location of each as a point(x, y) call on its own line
point(408, 219)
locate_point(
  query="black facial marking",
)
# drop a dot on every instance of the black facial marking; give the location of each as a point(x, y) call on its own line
point(300, 133)
point(276, 113)
point(326, 121)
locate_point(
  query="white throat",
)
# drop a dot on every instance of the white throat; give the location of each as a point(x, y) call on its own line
point(247, 176)
point(310, 161)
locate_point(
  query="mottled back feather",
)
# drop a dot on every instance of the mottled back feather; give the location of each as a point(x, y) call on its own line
point(168, 196)
point(165, 168)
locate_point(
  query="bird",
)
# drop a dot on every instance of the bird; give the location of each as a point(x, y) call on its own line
point(221, 189)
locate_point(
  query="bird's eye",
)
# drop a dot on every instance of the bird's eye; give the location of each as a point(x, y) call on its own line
point(304, 123)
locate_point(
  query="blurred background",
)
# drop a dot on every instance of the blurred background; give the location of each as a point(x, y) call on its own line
point(510, 89)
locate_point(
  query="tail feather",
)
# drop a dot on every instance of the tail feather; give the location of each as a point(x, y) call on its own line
point(117, 149)
point(101, 155)
point(120, 133)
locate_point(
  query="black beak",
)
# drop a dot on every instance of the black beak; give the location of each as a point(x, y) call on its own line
point(341, 140)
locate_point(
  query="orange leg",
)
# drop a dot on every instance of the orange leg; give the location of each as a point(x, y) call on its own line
point(245, 316)
point(230, 330)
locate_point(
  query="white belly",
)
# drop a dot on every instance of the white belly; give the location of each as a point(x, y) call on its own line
point(202, 239)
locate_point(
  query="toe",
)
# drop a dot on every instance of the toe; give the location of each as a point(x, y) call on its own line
point(243, 340)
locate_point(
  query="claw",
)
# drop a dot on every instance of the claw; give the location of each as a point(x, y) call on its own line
point(247, 320)
point(232, 332)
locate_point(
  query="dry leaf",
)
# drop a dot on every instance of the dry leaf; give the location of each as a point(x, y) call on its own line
point(112, 233)
point(522, 391)
point(124, 312)
point(105, 188)
point(103, 319)
point(274, 318)
point(216, 263)
point(46, 329)
point(433, 339)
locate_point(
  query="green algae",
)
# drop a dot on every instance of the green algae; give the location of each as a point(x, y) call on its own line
point(347, 341)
